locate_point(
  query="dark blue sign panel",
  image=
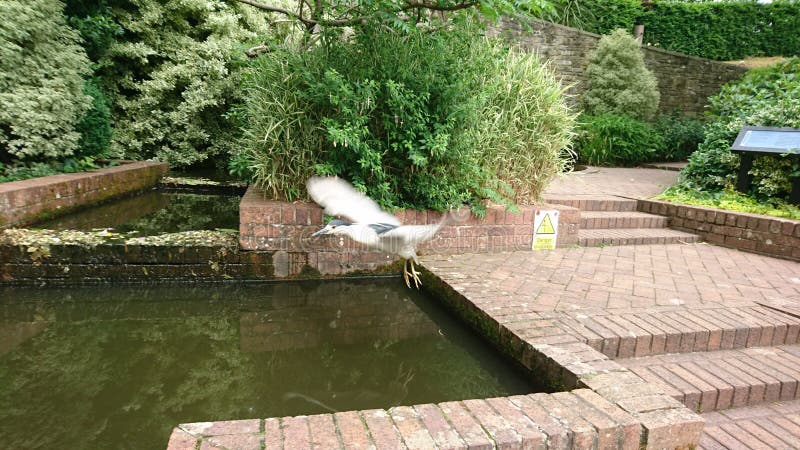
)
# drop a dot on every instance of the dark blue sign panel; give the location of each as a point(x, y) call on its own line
point(768, 140)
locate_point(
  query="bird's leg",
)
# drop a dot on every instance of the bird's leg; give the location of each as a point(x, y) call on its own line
point(405, 274)
point(415, 274)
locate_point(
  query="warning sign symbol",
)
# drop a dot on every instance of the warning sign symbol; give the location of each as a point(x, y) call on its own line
point(546, 227)
point(545, 230)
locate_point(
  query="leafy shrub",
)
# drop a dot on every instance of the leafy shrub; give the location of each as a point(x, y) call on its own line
point(95, 127)
point(681, 136)
point(401, 115)
point(94, 20)
point(41, 84)
point(173, 76)
point(618, 81)
point(525, 138)
point(730, 200)
point(616, 140)
point(763, 97)
point(725, 30)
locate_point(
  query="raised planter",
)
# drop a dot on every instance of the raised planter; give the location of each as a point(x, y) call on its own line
point(286, 229)
point(27, 201)
point(773, 236)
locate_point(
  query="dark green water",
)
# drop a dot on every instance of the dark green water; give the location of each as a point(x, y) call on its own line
point(155, 212)
point(112, 367)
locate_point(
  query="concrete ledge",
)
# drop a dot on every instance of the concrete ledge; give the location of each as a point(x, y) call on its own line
point(773, 236)
point(285, 228)
point(24, 202)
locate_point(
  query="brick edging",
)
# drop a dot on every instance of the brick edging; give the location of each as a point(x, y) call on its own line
point(24, 202)
point(773, 236)
point(286, 228)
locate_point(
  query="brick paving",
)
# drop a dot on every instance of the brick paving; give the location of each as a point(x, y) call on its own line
point(624, 182)
point(773, 426)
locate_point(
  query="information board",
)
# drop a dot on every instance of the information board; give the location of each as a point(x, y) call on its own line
point(767, 139)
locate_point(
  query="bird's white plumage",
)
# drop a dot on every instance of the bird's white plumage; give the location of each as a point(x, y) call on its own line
point(339, 198)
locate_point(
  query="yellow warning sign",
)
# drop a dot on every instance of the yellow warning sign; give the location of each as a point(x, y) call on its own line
point(546, 227)
point(545, 230)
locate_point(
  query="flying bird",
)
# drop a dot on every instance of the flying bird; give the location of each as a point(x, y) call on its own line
point(369, 224)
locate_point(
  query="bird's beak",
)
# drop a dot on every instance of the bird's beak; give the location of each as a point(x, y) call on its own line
point(320, 232)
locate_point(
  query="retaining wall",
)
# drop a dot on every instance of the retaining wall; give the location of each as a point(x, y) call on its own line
point(286, 229)
point(24, 202)
point(685, 82)
point(771, 236)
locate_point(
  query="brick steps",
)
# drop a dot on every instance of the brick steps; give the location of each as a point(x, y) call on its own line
point(591, 220)
point(597, 202)
point(724, 379)
point(634, 236)
point(612, 220)
point(684, 331)
point(773, 426)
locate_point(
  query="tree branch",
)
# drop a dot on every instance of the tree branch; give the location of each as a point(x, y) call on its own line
point(434, 7)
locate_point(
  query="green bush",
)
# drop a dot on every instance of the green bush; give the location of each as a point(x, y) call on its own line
point(681, 136)
point(41, 81)
point(95, 127)
point(528, 128)
point(725, 30)
point(616, 140)
point(763, 97)
point(94, 20)
point(401, 115)
point(173, 76)
point(618, 81)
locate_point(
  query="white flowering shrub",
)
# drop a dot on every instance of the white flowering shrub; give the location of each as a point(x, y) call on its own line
point(42, 66)
point(174, 76)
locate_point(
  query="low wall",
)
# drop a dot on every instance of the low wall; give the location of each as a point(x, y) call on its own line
point(685, 82)
point(24, 202)
point(285, 228)
point(772, 236)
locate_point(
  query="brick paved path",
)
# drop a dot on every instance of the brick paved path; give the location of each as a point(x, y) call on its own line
point(625, 182)
point(715, 328)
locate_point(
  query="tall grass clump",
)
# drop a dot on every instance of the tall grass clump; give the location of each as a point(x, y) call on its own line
point(526, 138)
point(415, 119)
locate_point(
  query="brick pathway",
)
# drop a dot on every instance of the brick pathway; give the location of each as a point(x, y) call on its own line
point(773, 426)
point(625, 182)
point(714, 328)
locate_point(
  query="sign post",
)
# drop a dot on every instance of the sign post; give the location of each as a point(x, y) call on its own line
point(774, 140)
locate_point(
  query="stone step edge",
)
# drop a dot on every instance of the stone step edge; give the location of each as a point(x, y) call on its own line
point(724, 379)
point(578, 419)
point(595, 203)
point(594, 220)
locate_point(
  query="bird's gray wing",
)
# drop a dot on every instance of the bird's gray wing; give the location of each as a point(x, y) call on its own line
point(339, 198)
point(412, 235)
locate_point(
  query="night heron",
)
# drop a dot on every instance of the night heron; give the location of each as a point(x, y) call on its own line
point(370, 225)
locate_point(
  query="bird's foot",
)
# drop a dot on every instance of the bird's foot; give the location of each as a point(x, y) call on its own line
point(405, 274)
point(415, 274)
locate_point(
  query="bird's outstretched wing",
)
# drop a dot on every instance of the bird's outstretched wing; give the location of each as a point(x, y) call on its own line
point(411, 235)
point(339, 198)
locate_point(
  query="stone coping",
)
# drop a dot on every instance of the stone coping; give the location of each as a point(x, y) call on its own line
point(606, 406)
point(26, 201)
point(773, 236)
point(286, 228)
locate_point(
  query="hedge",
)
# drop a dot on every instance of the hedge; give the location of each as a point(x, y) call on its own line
point(725, 30)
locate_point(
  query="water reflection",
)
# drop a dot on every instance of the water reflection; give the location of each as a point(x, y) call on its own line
point(155, 212)
point(117, 367)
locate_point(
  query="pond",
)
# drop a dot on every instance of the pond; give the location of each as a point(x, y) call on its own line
point(154, 212)
point(118, 366)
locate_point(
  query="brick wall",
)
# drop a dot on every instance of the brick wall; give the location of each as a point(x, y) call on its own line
point(772, 236)
point(685, 82)
point(24, 202)
point(286, 229)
